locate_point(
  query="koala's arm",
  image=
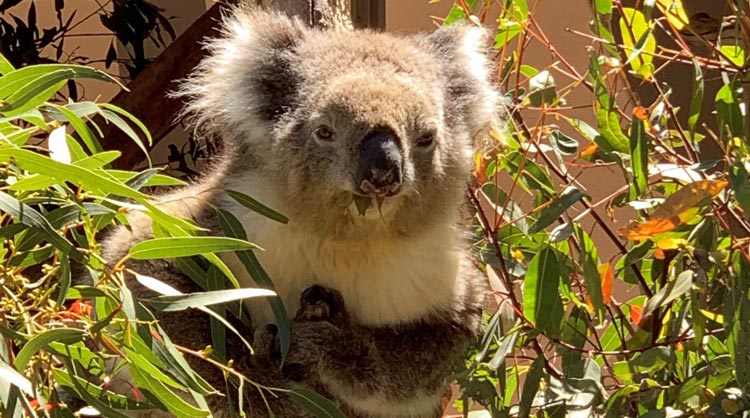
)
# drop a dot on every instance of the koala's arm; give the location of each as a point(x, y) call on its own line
point(385, 371)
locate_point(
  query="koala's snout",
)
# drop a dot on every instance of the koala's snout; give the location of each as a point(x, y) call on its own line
point(380, 170)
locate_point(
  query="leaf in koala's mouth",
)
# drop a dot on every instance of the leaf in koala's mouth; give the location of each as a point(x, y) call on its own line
point(363, 203)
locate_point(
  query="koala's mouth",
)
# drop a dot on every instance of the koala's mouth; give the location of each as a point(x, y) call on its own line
point(377, 204)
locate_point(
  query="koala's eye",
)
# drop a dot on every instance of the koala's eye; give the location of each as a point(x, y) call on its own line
point(324, 133)
point(426, 139)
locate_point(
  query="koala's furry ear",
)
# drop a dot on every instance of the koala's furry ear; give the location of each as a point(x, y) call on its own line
point(249, 67)
point(460, 50)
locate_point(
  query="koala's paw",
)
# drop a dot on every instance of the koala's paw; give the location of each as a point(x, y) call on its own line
point(319, 303)
point(266, 344)
point(311, 343)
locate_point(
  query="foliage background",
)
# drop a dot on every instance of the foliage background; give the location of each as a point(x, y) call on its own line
point(675, 343)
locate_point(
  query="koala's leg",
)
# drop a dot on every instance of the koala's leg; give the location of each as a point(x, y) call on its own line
point(379, 371)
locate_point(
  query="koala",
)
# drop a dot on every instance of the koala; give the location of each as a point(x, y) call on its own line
point(385, 299)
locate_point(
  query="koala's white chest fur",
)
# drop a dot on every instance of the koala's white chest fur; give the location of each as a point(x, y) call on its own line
point(382, 282)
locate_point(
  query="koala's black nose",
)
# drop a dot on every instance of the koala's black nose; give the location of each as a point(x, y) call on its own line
point(380, 164)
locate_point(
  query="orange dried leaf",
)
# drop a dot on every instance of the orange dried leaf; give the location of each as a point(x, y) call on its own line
point(81, 307)
point(659, 254)
point(641, 113)
point(605, 272)
point(635, 313)
point(673, 212)
point(136, 394)
point(590, 150)
point(589, 304)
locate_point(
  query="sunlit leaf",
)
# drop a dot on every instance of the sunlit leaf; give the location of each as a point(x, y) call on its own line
point(734, 53)
point(607, 276)
point(506, 31)
point(639, 41)
point(729, 111)
point(193, 300)
point(58, 146)
point(668, 293)
point(674, 11)
point(672, 213)
point(186, 246)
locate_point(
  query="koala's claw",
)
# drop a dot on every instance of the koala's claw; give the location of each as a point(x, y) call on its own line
point(318, 303)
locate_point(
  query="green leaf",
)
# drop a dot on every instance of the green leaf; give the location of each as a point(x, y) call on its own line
point(506, 30)
point(171, 247)
point(5, 65)
point(115, 119)
point(533, 176)
point(457, 13)
point(603, 7)
point(574, 332)
point(696, 103)
point(499, 199)
point(27, 215)
point(638, 158)
point(153, 180)
point(504, 349)
point(9, 82)
point(92, 143)
point(110, 399)
point(39, 83)
point(233, 228)
point(91, 180)
point(84, 393)
point(542, 305)
point(556, 208)
point(93, 362)
point(639, 41)
point(41, 340)
point(563, 143)
point(737, 319)
point(314, 403)
point(150, 369)
point(256, 206)
point(165, 289)
point(734, 53)
point(668, 293)
point(611, 138)
point(531, 386)
point(739, 181)
point(728, 111)
point(542, 89)
point(173, 402)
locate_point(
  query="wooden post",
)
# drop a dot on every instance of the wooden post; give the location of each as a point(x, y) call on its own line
point(148, 96)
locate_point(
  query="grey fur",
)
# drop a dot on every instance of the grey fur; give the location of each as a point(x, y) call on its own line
point(268, 83)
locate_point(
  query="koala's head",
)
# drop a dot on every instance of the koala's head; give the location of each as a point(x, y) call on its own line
point(329, 120)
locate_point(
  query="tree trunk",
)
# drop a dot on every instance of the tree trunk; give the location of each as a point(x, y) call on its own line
point(147, 96)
